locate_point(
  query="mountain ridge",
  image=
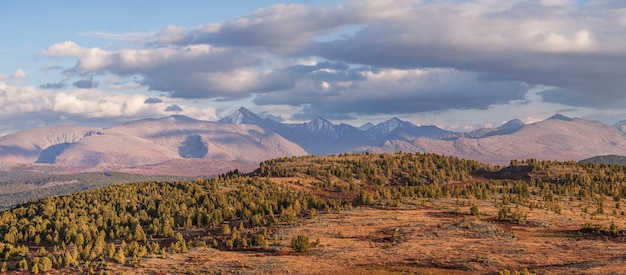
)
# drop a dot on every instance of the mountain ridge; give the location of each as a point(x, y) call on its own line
point(243, 137)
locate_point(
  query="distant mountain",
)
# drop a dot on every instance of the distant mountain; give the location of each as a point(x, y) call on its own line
point(505, 129)
point(365, 126)
point(317, 137)
point(396, 129)
point(244, 116)
point(560, 117)
point(144, 142)
point(621, 126)
point(179, 145)
point(608, 159)
point(556, 138)
point(40, 144)
point(322, 137)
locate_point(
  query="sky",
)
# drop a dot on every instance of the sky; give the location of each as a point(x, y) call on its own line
point(460, 65)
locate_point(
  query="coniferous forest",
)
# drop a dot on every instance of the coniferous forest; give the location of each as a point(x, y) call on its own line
point(121, 225)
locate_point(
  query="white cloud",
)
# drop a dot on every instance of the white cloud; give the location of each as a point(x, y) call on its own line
point(138, 37)
point(395, 91)
point(90, 60)
point(170, 34)
point(402, 57)
point(18, 75)
point(83, 105)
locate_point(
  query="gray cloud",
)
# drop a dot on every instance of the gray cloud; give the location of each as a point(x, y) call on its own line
point(152, 100)
point(173, 108)
point(54, 86)
point(196, 71)
point(391, 57)
point(397, 92)
point(85, 84)
point(285, 27)
point(566, 50)
point(222, 86)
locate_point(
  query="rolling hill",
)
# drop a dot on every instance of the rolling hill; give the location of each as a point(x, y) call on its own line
point(146, 142)
point(556, 138)
point(242, 139)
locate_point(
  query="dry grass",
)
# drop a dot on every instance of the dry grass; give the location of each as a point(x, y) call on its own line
point(425, 237)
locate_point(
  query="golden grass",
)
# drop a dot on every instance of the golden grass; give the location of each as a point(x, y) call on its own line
point(424, 237)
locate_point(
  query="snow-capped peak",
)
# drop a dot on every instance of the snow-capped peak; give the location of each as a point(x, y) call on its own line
point(240, 116)
point(319, 124)
point(389, 125)
point(365, 126)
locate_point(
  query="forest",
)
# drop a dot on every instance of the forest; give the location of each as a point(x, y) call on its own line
point(120, 225)
point(20, 185)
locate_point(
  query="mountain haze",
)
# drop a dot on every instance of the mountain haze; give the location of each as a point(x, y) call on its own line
point(321, 137)
point(557, 138)
point(145, 142)
point(175, 145)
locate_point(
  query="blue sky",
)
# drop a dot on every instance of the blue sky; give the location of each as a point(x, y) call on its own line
point(456, 64)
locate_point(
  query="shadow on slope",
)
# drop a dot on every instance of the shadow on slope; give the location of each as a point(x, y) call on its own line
point(49, 155)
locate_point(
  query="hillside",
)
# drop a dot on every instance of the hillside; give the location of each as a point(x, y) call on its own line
point(146, 142)
point(608, 159)
point(21, 186)
point(551, 139)
point(359, 213)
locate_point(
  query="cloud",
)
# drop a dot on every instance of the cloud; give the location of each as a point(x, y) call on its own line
point(86, 84)
point(169, 34)
point(18, 75)
point(50, 69)
point(279, 26)
point(567, 47)
point(394, 91)
point(152, 100)
point(140, 37)
point(195, 71)
point(173, 108)
point(26, 107)
point(53, 86)
point(166, 36)
point(391, 57)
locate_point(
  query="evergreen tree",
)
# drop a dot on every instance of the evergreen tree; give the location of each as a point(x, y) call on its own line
point(120, 258)
point(301, 243)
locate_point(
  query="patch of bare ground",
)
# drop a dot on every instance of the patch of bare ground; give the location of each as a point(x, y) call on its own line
point(429, 239)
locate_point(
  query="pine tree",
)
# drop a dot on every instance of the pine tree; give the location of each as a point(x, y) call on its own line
point(45, 264)
point(120, 258)
point(23, 265)
point(226, 229)
point(301, 243)
point(139, 234)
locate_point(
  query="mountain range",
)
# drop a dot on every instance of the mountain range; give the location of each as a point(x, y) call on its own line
point(179, 145)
